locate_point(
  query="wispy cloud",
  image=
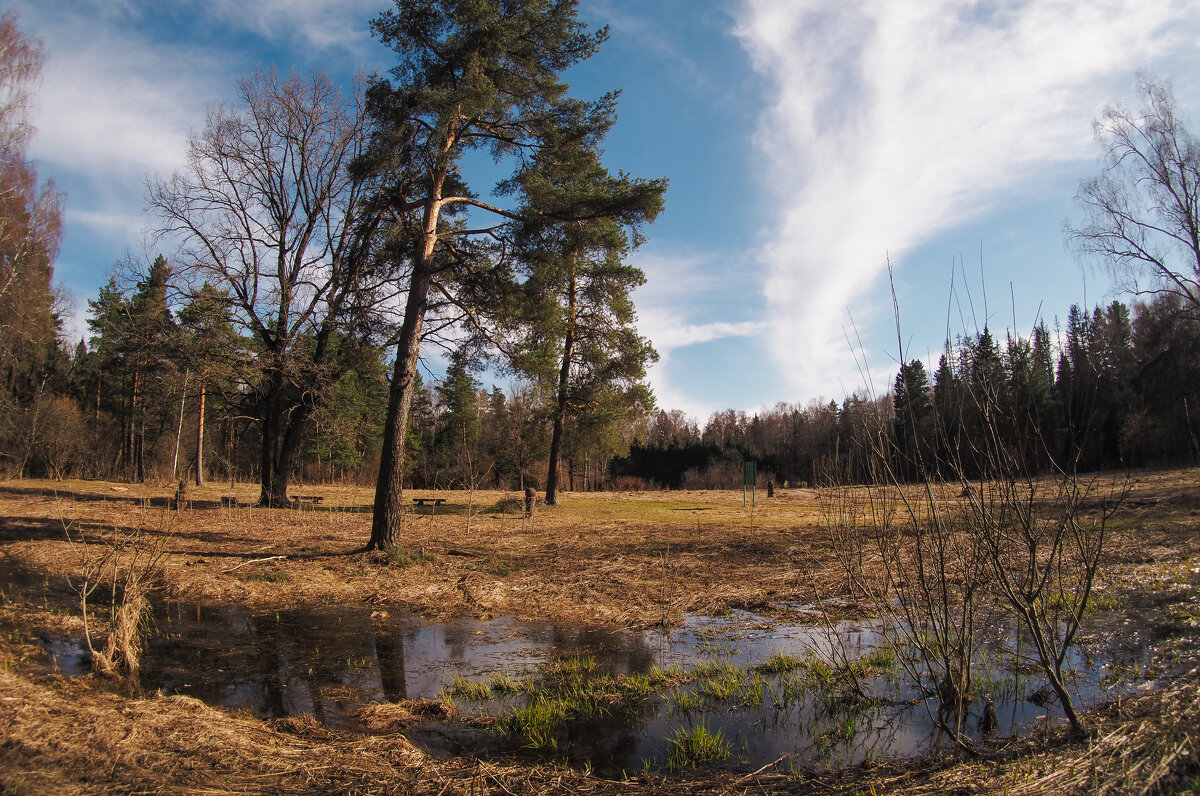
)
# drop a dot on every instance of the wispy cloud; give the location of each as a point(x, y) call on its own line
point(321, 24)
point(893, 121)
point(127, 81)
point(683, 294)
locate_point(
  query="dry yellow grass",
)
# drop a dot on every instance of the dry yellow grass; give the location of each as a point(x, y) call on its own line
point(618, 558)
point(624, 558)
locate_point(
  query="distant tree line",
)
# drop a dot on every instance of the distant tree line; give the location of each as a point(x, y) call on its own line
point(1113, 390)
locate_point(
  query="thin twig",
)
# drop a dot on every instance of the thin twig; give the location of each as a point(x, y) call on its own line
point(252, 561)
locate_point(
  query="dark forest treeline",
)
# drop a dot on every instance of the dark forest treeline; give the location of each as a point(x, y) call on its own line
point(1113, 389)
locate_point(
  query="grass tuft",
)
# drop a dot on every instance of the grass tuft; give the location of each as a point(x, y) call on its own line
point(474, 690)
point(697, 746)
point(779, 663)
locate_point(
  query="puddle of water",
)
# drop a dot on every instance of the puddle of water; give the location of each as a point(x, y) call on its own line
point(330, 662)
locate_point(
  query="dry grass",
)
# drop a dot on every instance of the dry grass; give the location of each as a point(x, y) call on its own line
point(621, 558)
point(627, 558)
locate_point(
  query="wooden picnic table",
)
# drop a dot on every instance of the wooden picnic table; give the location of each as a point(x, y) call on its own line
point(427, 501)
point(311, 500)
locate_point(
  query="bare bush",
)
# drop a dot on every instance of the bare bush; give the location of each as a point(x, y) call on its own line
point(123, 565)
point(60, 446)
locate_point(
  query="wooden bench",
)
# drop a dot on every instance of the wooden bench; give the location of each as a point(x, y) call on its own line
point(427, 501)
point(307, 500)
point(229, 501)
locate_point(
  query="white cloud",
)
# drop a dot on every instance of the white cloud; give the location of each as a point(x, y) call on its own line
point(893, 121)
point(682, 292)
point(115, 104)
point(121, 226)
point(321, 24)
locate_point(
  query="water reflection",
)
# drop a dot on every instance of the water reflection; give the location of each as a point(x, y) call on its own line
point(330, 662)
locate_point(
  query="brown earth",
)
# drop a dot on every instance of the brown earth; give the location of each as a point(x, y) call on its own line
point(628, 559)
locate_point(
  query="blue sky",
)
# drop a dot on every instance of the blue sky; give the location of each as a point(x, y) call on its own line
point(808, 143)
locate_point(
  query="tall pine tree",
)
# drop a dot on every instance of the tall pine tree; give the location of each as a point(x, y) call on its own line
point(471, 76)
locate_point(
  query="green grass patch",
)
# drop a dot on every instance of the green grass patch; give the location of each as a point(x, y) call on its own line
point(878, 661)
point(564, 691)
point(474, 690)
point(686, 701)
point(502, 685)
point(667, 678)
point(697, 746)
point(779, 663)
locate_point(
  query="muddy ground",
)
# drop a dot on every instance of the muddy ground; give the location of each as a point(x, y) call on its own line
point(616, 559)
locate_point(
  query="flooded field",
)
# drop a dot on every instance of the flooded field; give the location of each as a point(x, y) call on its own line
point(763, 692)
point(652, 643)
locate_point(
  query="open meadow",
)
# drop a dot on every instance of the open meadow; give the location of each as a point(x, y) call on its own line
point(602, 562)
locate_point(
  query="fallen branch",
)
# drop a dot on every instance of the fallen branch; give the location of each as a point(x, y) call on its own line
point(754, 774)
point(252, 561)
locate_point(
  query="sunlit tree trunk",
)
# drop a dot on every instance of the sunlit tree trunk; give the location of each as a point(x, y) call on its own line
point(562, 397)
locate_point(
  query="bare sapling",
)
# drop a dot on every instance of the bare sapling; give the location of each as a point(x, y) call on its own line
point(979, 522)
point(907, 560)
point(473, 479)
point(1045, 542)
point(122, 564)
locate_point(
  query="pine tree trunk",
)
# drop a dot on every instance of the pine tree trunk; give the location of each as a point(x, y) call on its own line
point(388, 518)
point(555, 450)
point(560, 407)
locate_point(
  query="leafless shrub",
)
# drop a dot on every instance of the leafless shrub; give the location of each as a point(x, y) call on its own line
point(909, 556)
point(123, 564)
point(994, 527)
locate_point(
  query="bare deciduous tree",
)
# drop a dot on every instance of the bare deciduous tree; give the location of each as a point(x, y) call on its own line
point(1142, 213)
point(30, 231)
point(268, 210)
